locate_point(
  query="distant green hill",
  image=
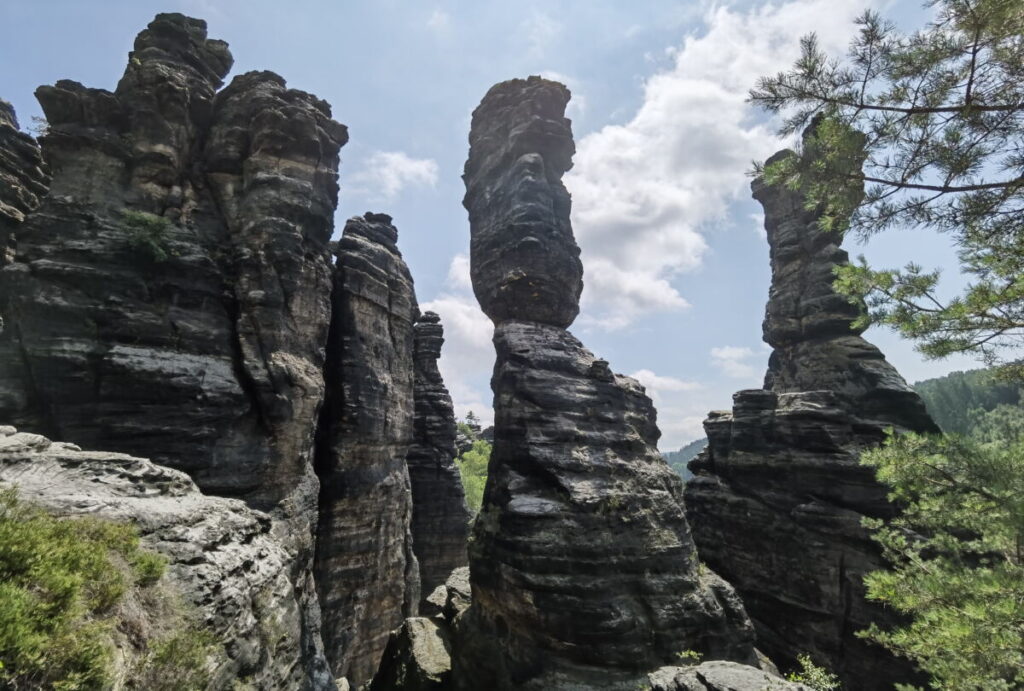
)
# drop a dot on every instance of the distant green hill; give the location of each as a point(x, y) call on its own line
point(679, 459)
point(972, 403)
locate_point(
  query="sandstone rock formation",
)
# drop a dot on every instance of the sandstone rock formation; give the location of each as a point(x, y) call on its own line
point(779, 493)
point(24, 178)
point(440, 518)
point(173, 296)
point(366, 572)
point(718, 676)
point(224, 559)
point(583, 571)
point(525, 260)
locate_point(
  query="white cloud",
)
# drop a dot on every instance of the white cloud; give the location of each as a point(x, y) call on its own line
point(757, 222)
point(578, 103)
point(386, 173)
point(656, 384)
point(733, 361)
point(467, 356)
point(538, 31)
point(458, 273)
point(440, 22)
point(645, 192)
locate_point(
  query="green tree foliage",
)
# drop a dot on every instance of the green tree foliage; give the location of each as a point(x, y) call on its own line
point(956, 552)
point(937, 117)
point(960, 401)
point(60, 580)
point(473, 471)
point(678, 460)
point(148, 234)
point(813, 676)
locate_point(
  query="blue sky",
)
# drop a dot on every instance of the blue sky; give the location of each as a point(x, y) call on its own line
point(675, 261)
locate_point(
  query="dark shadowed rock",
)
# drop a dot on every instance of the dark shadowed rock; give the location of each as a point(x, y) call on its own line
point(779, 494)
point(170, 296)
point(525, 262)
point(582, 568)
point(581, 559)
point(24, 179)
point(417, 658)
point(367, 576)
point(440, 518)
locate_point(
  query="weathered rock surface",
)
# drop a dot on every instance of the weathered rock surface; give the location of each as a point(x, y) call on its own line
point(193, 328)
point(582, 568)
point(224, 558)
point(779, 494)
point(525, 260)
point(581, 559)
point(719, 676)
point(366, 572)
point(417, 658)
point(171, 296)
point(24, 178)
point(440, 518)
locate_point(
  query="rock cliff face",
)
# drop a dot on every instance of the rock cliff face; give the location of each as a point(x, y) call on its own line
point(224, 559)
point(583, 571)
point(779, 493)
point(173, 296)
point(366, 572)
point(24, 178)
point(525, 260)
point(440, 518)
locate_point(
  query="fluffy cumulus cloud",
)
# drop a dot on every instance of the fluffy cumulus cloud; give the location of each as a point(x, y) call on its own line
point(645, 192)
point(384, 174)
point(467, 356)
point(734, 361)
point(439, 21)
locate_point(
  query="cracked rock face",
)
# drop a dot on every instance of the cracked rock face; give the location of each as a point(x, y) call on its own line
point(525, 260)
point(170, 296)
point(367, 574)
point(779, 494)
point(440, 518)
point(224, 558)
point(24, 179)
point(173, 300)
point(583, 571)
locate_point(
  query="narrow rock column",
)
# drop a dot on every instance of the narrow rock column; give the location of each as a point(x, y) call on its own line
point(440, 518)
point(778, 496)
point(24, 179)
point(366, 573)
point(583, 571)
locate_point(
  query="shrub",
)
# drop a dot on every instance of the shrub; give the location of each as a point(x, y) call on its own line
point(147, 234)
point(810, 674)
point(60, 579)
point(473, 471)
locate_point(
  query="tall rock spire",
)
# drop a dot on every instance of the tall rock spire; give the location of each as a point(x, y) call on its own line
point(583, 571)
point(440, 518)
point(778, 496)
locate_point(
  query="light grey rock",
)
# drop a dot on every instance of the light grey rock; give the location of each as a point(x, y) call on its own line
point(224, 558)
point(719, 676)
point(417, 658)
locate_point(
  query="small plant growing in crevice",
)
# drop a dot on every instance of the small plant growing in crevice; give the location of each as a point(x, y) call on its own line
point(147, 234)
point(810, 674)
point(689, 657)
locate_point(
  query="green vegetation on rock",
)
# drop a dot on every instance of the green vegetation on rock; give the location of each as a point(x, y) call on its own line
point(473, 471)
point(63, 585)
point(147, 234)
